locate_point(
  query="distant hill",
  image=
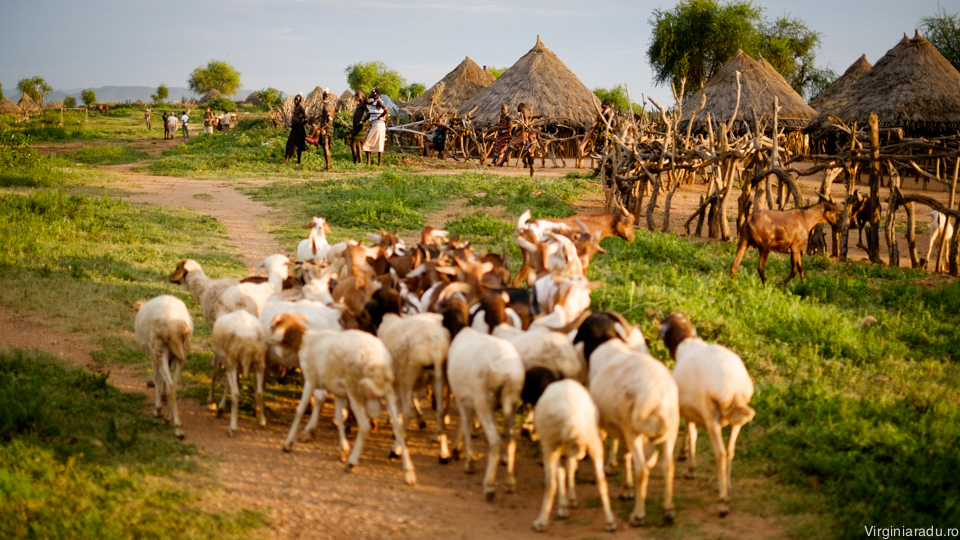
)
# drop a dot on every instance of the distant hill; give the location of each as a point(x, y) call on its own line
point(119, 94)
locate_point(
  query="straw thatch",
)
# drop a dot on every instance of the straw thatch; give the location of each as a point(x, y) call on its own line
point(545, 84)
point(213, 94)
point(347, 101)
point(253, 98)
point(912, 87)
point(759, 84)
point(9, 107)
point(465, 81)
point(836, 90)
point(28, 105)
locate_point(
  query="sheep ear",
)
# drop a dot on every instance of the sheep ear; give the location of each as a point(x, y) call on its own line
point(374, 237)
point(448, 270)
point(505, 297)
point(486, 267)
point(621, 332)
point(441, 233)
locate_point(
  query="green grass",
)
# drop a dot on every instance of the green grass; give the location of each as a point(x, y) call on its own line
point(80, 459)
point(106, 155)
point(22, 166)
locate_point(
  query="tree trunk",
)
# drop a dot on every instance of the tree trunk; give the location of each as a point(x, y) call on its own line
point(873, 206)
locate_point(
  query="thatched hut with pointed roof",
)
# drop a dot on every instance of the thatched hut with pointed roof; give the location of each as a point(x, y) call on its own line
point(759, 84)
point(465, 81)
point(213, 94)
point(545, 84)
point(347, 101)
point(28, 105)
point(912, 87)
point(828, 99)
point(253, 99)
point(9, 107)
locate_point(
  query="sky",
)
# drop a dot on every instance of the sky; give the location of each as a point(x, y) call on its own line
point(296, 45)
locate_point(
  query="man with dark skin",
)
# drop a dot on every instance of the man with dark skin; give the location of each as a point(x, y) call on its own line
point(504, 135)
point(297, 140)
point(377, 135)
point(439, 140)
point(328, 112)
point(356, 138)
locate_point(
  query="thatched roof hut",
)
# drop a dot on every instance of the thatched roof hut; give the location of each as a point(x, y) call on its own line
point(759, 84)
point(842, 84)
point(28, 105)
point(347, 101)
point(912, 87)
point(253, 98)
point(545, 84)
point(9, 107)
point(465, 81)
point(213, 94)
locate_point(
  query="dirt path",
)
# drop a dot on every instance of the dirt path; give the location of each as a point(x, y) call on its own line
point(246, 220)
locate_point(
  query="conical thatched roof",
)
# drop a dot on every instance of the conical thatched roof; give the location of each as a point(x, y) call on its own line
point(465, 81)
point(347, 101)
point(253, 98)
point(9, 107)
point(759, 83)
point(913, 87)
point(210, 95)
point(545, 84)
point(27, 105)
point(842, 84)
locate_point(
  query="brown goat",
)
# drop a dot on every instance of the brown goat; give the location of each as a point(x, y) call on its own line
point(782, 230)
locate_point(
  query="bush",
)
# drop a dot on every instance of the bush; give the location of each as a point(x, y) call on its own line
point(70, 102)
point(221, 104)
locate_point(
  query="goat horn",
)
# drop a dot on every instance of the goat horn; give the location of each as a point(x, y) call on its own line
point(583, 228)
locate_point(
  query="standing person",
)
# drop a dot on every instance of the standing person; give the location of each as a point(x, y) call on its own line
point(439, 140)
point(226, 121)
point(166, 130)
point(146, 117)
point(356, 133)
point(297, 140)
point(529, 153)
point(185, 119)
point(377, 135)
point(328, 112)
point(504, 135)
point(208, 121)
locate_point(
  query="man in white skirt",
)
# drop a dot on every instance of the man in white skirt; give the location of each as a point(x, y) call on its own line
point(377, 135)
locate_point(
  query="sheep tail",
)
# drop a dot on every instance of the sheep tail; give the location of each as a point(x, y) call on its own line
point(372, 388)
point(179, 341)
point(739, 412)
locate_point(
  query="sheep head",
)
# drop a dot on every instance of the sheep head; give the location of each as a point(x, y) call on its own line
point(674, 329)
point(184, 267)
point(286, 331)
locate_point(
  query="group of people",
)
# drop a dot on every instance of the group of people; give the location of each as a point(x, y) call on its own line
point(170, 121)
point(321, 127)
point(213, 122)
point(516, 134)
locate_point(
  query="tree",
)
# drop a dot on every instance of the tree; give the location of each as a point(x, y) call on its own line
point(89, 97)
point(368, 75)
point(35, 87)
point(69, 102)
point(412, 90)
point(217, 75)
point(617, 96)
point(697, 37)
point(943, 31)
point(496, 71)
point(222, 104)
point(270, 96)
point(1, 91)
point(789, 45)
point(161, 95)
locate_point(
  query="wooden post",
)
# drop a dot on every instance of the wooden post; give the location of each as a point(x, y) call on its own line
point(912, 236)
point(873, 206)
point(61, 116)
point(850, 171)
point(893, 202)
point(953, 195)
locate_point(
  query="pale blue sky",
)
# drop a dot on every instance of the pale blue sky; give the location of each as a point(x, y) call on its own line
point(295, 45)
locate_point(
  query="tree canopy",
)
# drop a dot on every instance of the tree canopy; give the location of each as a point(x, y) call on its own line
point(943, 31)
point(89, 97)
point(616, 96)
point(367, 75)
point(496, 71)
point(69, 102)
point(161, 95)
point(216, 75)
point(697, 37)
point(412, 90)
point(269, 96)
point(35, 87)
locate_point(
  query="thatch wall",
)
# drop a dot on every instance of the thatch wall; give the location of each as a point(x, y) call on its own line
point(545, 84)
point(28, 105)
point(912, 87)
point(465, 81)
point(9, 107)
point(253, 98)
point(835, 91)
point(759, 84)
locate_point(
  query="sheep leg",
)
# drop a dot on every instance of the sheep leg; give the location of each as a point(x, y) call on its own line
point(596, 455)
point(642, 480)
point(669, 470)
point(563, 505)
point(629, 487)
point(463, 437)
point(794, 265)
point(358, 407)
point(441, 426)
point(319, 396)
point(158, 390)
point(551, 463)
point(223, 398)
point(572, 464)
point(485, 415)
point(716, 439)
point(168, 380)
point(301, 408)
point(340, 419)
point(233, 380)
point(421, 423)
point(764, 253)
point(409, 476)
point(612, 456)
point(684, 447)
point(214, 369)
point(508, 409)
point(731, 448)
point(258, 396)
point(691, 436)
point(741, 251)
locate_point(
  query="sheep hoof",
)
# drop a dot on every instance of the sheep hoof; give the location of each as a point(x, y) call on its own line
point(219, 411)
point(563, 512)
point(627, 495)
point(410, 478)
point(539, 526)
point(212, 407)
point(573, 503)
point(348, 468)
point(724, 512)
point(637, 521)
point(489, 495)
point(611, 526)
point(393, 454)
point(179, 433)
point(156, 413)
point(422, 424)
point(305, 436)
point(230, 433)
point(444, 460)
point(668, 517)
point(288, 448)
point(151, 384)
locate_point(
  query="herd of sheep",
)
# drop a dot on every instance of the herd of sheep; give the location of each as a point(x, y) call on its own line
point(388, 323)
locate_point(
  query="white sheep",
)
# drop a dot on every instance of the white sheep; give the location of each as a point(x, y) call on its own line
point(940, 228)
point(715, 390)
point(483, 372)
point(314, 247)
point(163, 328)
point(240, 343)
point(252, 296)
point(638, 403)
point(354, 367)
point(566, 420)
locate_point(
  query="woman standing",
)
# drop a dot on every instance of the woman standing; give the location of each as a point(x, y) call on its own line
point(504, 134)
point(377, 135)
point(297, 140)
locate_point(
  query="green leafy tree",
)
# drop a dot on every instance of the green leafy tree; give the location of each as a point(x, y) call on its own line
point(270, 96)
point(222, 104)
point(217, 75)
point(943, 31)
point(161, 95)
point(412, 90)
point(368, 75)
point(496, 71)
point(617, 96)
point(69, 102)
point(89, 97)
point(790, 47)
point(697, 37)
point(35, 87)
